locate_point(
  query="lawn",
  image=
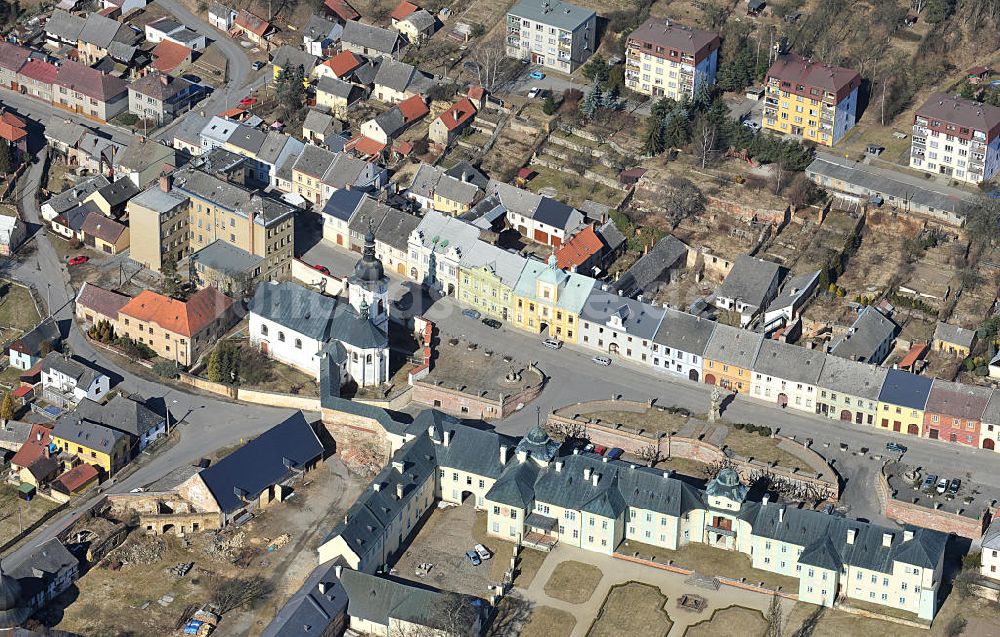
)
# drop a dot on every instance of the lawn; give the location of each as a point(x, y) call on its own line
point(652, 420)
point(763, 448)
point(573, 582)
point(713, 562)
point(17, 310)
point(16, 514)
point(684, 466)
point(828, 622)
point(288, 380)
point(751, 623)
point(632, 609)
point(546, 621)
point(527, 567)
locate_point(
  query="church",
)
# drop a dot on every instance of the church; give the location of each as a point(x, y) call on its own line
point(302, 327)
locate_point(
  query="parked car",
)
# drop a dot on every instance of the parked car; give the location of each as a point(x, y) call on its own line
point(322, 268)
point(533, 93)
point(955, 485)
point(491, 322)
point(483, 552)
point(928, 482)
point(78, 260)
point(588, 447)
point(895, 447)
point(552, 343)
point(942, 485)
point(752, 125)
point(601, 359)
point(536, 75)
point(600, 450)
point(472, 314)
point(258, 65)
point(615, 453)
point(473, 557)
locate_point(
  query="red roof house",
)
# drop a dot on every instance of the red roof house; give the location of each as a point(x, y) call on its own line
point(168, 55)
point(581, 251)
point(34, 447)
point(76, 479)
point(413, 108)
point(342, 10)
point(402, 11)
point(342, 64)
point(451, 122)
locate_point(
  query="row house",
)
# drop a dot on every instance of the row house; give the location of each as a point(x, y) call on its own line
point(317, 173)
point(665, 59)
point(954, 412)
point(811, 100)
point(680, 342)
point(729, 358)
point(488, 277)
point(436, 189)
point(787, 375)
point(902, 401)
point(849, 390)
point(619, 325)
point(437, 246)
point(549, 301)
point(956, 137)
point(89, 92)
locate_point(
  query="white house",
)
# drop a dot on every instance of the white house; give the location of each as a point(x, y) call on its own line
point(679, 344)
point(220, 16)
point(66, 380)
point(27, 350)
point(787, 374)
point(448, 239)
point(12, 233)
point(749, 287)
point(990, 560)
point(620, 326)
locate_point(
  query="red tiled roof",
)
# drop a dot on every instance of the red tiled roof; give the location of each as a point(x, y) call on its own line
point(40, 70)
point(342, 9)
point(797, 70)
point(413, 108)
point(234, 112)
point(168, 55)
point(342, 63)
point(76, 478)
point(249, 22)
point(579, 249)
point(366, 146)
point(12, 57)
point(103, 302)
point(12, 128)
point(13, 120)
point(459, 113)
point(403, 9)
point(916, 352)
point(34, 447)
point(477, 92)
point(186, 318)
point(90, 82)
point(22, 391)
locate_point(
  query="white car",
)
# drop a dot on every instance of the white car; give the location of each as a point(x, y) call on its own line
point(533, 93)
point(752, 125)
point(601, 359)
point(552, 343)
point(483, 552)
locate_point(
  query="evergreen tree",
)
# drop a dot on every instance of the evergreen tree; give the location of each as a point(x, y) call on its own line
point(596, 69)
point(677, 132)
point(6, 158)
point(215, 366)
point(662, 108)
point(610, 98)
point(702, 97)
point(7, 407)
point(592, 102)
point(549, 105)
point(966, 90)
point(653, 144)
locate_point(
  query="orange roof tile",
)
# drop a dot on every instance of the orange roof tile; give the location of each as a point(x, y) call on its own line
point(459, 113)
point(252, 23)
point(477, 92)
point(916, 352)
point(413, 108)
point(13, 120)
point(33, 447)
point(185, 318)
point(76, 478)
point(12, 133)
point(577, 250)
point(342, 9)
point(366, 146)
point(168, 55)
point(403, 9)
point(342, 63)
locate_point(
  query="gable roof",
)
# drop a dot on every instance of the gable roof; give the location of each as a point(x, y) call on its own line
point(684, 332)
point(733, 346)
point(394, 74)
point(103, 228)
point(789, 362)
point(581, 247)
point(288, 56)
point(34, 446)
point(638, 319)
point(90, 82)
point(651, 267)
point(31, 342)
point(252, 23)
point(168, 55)
point(749, 280)
point(160, 86)
point(40, 70)
point(954, 334)
point(268, 459)
point(318, 28)
point(102, 301)
point(86, 433)
point(458, 113)
point(101, 31)
point(313, 607)
point(76, 478)
point(403, 9)
point(413, 108)
point(121, 413)
point(188, 318)
point(12, 57)
point(343, 203)
point(64, 26)
point(369, 36)
point(851, 377)
point(905, 389)
point(502, 264)
point(868, 332)
point(342, 9)
point(957, 400)
point(421, 19)
point(343, 63)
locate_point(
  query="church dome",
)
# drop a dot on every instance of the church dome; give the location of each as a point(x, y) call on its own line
point(537, 435)
point(12, 609)
point(369, 267)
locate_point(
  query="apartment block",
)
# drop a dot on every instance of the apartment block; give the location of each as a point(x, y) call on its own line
point(815, 101)
point(550, 33)
point(956, 137)
point(664, 59)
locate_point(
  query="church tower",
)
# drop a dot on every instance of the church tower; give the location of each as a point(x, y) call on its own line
point(368, 287)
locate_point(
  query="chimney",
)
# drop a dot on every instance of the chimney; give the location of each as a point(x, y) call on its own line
point(666, 474)
point(166, 182)
point(559, 465)
point(376, 486)
point(604, 459)
point(322, 587)
point(851, 534)
point(586, 473)
point(781, 515)
point(765, 500)
point(346, 519)
point(338, 569)
point(447, 438)
point(398, 466)
point(887, 540)
point(430, 431)
point(399, 491)
point(503, 454)
point(907, 535)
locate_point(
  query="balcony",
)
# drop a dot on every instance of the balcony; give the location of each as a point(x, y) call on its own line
point(514, 41)
point(920, 130)
point(918, 153)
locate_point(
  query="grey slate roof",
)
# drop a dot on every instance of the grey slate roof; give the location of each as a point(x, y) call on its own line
point(789, 362)
point(395, 229)
point(391, 121)
point(749, 280)
point(850, 377)
point(991, 539)
point(225, 257)
point(370, 212)
point(380, 600)
point(84, 374)
point(268, 459)
point(86, 433)
point(954, 334)
point(63, 130)
point(288, 56)
point(318, 28)
point(867, 333)
point(343, 204)
point(159, 201)
point(651, 267)
point(504, 265)
point(684, 332)
point(335, 87)
point(639, 319)
point(555, 213)
point(310, 610)
point(315, 315)
point(64, 26)
point(121, 413)
point(421, 19)
point(610, 236)
point(958, 400)
point(247, 138)
point(905, 389)
point(119, 192)
point(394, 74)
point(35, 573)
point(810, 529)
point(102, 31)
point(74, 195)
point(733, 346)
point(314, 161)
point(371, 37)
point(992, 413)
point(468, 173)
point(556, 13)
point(793, 290)
point(31, 342)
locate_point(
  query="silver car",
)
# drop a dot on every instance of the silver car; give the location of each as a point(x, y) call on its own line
point(552, 343)
point(601, 359)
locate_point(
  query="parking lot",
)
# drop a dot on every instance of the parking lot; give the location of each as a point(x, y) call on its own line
point(442, 542)
point(969, 500)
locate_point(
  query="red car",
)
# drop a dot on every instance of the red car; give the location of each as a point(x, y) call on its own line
point(78, 260)
point(322, 268)
point(600, 450)
point(248, 101)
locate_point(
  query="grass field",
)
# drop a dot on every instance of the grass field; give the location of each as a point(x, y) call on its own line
point(632, 609)
point(573, 582)
point(16, 514)
point(546, 621)
point(17, 310)
point(722, 622)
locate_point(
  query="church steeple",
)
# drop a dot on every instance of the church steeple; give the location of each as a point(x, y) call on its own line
point(368, 286)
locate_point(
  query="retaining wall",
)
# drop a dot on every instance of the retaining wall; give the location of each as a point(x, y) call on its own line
point(910, 513)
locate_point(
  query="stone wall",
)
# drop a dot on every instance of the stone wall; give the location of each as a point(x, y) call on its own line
point(944, 521)
point(741, 211)
point(275, 399)
point(466, 404)
point(312, 278)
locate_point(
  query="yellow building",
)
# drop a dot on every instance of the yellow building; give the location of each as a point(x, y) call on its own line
point(811, 100)
point(95, 444)
point(159, 218)
point(953, 340)
point(902, 402)
point(334, 95)
point(487, 276)
point(729, 358)
point(288, 57)
point(547, 299)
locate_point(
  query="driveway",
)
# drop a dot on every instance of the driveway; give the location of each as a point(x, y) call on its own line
point(555, 82)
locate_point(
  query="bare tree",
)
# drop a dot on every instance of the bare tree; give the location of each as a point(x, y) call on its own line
point(681, 199)
point(650, 454)
point(704, 142)
point(453, 615)
point(232, 593)
point(511, 615)
point(489, 58)
point(774, 618)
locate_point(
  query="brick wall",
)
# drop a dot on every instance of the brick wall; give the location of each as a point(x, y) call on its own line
point(926, 517)
point(469, 405)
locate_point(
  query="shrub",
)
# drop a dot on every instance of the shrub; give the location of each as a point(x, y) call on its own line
point(738, 426)
point(128, 119)
point(751, 428)
point(763, 431)
point(165, 369)
point(134, 349)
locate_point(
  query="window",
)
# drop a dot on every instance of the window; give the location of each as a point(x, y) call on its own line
point(298, 343)
point(496, 510)
point(263, 330)
point(281, 337)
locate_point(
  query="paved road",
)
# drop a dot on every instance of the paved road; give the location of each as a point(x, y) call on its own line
point(573, 377)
